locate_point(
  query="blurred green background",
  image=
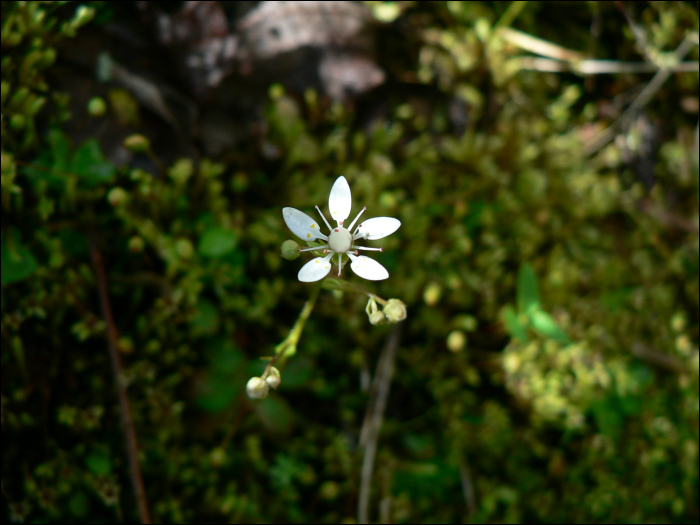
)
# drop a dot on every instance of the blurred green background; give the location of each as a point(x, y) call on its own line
point(543, 160)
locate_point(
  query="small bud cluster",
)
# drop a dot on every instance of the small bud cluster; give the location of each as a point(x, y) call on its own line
point(259, 387)
point(394, 311)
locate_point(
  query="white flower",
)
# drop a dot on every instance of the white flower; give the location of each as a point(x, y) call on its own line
point(340, 240)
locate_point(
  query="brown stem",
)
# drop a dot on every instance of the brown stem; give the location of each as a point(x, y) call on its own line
point(132, 448)
point(369, 435)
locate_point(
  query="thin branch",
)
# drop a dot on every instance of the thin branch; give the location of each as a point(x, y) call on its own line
point(132, 448)
point(467, 487)
point(594, 67)
point(369, 435)
point(539, 46)
point(644, 97)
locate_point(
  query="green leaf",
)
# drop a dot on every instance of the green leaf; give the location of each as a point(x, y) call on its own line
point(276, 414)
point(89, 165)
point(17, 261)
point(543, 323)
point(528, 296)
point(60, 150)
point(206, 320)
point(515, 329)
point(216, 242)
point(74, 242)
point(99, 463)
point(79, 504)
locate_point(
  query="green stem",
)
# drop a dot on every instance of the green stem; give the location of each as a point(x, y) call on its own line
point(514, 9)
point(334, 284)
point(289, 345)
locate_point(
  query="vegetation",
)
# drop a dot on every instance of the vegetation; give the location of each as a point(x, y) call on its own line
point(543, 160)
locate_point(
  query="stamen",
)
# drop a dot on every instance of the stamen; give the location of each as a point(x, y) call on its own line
point(358, 216)
point(323, 217)
point(311, 249)
point(340, 259)
point(368, 248)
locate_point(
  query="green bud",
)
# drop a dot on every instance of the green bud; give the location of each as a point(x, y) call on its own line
point(184, 248)
point(432, 293)
point(377, 318)
point(137, 143)
point(217, 457)
point(290, 250)
point(97, 107)
point(136, 244)
point(117, 196)
point(274, 378)
point(395, 310)
point(17, 121)
point(8, 163)
point(456, 341)
point(181, 170)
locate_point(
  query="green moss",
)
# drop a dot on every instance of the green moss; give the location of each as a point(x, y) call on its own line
point(550, 349)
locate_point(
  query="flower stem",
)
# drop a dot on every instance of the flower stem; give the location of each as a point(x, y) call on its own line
point(289, 345)
point(333, 284)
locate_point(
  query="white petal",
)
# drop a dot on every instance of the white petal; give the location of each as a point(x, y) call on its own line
point(340, 200)
point(367, 268)
point(316, 269)
point(302, 225)
point(377, 228)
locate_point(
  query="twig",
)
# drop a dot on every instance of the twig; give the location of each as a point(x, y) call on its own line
point(594, 67)
point(467, 487)
point(539, 46)
point(643, 99)
point(657, 358)
point(369, 435)
point(127, 421)
point(514, 9)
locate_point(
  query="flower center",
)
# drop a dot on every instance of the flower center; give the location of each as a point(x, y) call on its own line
point(340, 240)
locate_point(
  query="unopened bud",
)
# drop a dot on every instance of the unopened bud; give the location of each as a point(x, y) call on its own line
point(257, 388)
point(184, 248)
point(395, 310)
point(117, 196)
point(137, 143)
point(456, 341)
point(274, 378)
point(377, 318)
point(136, 244)
point(432, 293)
point(290, 250)
point(97, 107)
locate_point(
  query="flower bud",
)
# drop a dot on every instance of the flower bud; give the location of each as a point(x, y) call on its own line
point(117, 196)
point(137, 143)
point(290, 250)
point(377, 318)
point(432, 293)
point(257, 388)
point(274, 378)
point(456, 341)
point(97, 107)
point(395, 310)
point(136, 244)
point(184, 248)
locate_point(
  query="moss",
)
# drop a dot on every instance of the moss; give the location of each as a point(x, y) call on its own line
point(550, 349)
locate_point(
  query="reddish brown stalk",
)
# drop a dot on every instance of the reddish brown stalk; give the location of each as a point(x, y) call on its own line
point(132, 448)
